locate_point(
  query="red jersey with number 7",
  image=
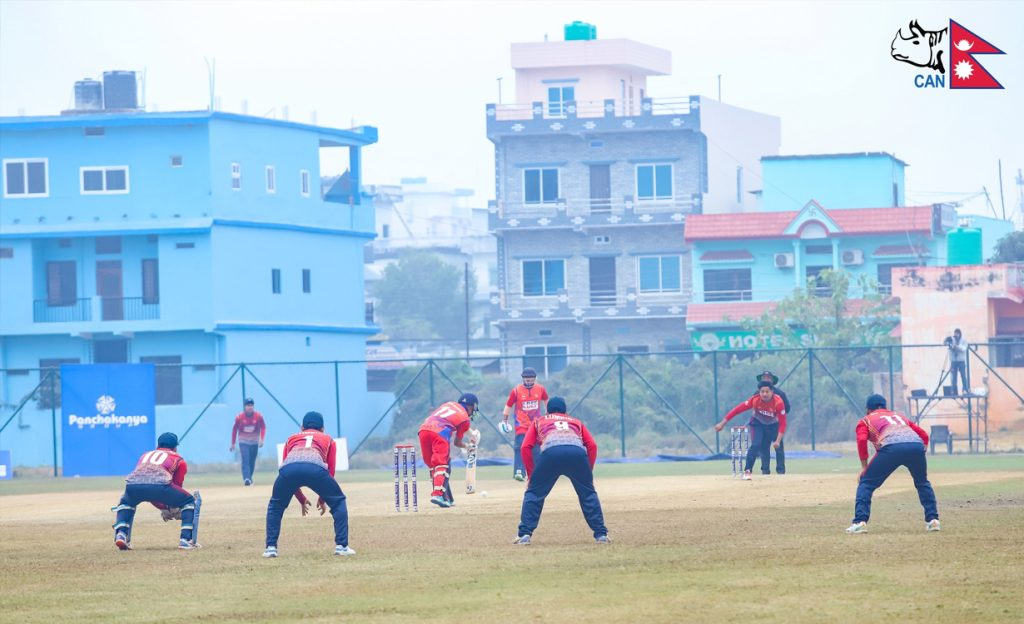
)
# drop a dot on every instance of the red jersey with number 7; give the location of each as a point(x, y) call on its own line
point(449, 417)
point(310, 446)
point(882, 427)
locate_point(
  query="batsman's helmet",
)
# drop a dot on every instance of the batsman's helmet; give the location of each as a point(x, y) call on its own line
point(313, 420)
point(556, 405)
point(167, 440)
point(468, 399)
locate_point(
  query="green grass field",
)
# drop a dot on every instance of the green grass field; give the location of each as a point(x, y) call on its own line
point(690, 544)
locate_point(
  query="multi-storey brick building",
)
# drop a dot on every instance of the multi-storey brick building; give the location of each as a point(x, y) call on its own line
point(594, 182)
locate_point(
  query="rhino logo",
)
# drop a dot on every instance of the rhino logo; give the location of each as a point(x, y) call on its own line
point(922, 48)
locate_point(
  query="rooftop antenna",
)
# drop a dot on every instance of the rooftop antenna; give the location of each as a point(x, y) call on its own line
point(245, 107)
point(719, 87)
point(211, 71)
point(1002, 199)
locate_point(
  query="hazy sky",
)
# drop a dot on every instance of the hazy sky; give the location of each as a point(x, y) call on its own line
point(423, 71)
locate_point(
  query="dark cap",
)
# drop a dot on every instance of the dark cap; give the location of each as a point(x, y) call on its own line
point(313, 420)
point(556, 405)
point(167, 440)
point(529, 372)
point(765, 384)
point(768, 376)
point(248, 402)
point(875, 401)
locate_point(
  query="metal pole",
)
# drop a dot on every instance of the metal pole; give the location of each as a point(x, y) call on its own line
point(244, 397)
point(714, 377)
point(810, 403)
point(892, 382)
point(465, 287)
point(53, 417)
point(622, 409)
point(430, 364)
point(337, 399)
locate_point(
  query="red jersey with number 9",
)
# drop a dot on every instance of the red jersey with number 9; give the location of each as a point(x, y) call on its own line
point(449, 417)
point(310, 446)
point(159, 467)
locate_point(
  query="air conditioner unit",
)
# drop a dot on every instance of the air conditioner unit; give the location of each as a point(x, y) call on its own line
point(783, 260)
point(853, 256)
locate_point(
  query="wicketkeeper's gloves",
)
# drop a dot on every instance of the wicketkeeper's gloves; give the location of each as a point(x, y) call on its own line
point(172, 513)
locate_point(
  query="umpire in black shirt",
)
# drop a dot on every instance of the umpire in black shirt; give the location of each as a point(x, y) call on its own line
point(780, 453)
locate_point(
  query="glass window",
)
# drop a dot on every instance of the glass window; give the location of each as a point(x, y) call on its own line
point(49, 376)
point(25, 177)
point(236, 177)
point(117, 179)
point(150, 281)
point(307, 276)
point(61, 283)
point(304, 183)
point(659, 274)
point(546, 359)
point(558, 97)
point(92, 180)
point(14, 175)
point(727, 285)
point(167, 374)
point(36, 178)
point(271, 184)
point(543, 277)
point(275, 281)
point(540, 186)
point(104, 180)
point(653, 182)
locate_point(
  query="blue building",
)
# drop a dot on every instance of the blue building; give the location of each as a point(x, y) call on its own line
point(189, 240)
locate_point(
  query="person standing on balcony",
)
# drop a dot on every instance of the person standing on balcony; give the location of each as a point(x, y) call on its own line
point(249, 431)
point(529, 400)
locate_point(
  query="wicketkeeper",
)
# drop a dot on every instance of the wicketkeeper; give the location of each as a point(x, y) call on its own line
point(158, 479)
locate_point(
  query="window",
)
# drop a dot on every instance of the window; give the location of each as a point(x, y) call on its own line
point(111, 351)
point(236, 177)
point(1007, 351)
point(26, 178)
point(558, 98)
point(544, 332)
point(167, 374)
point(816, 283)
point(61, 283)
point(727, 285)
point(543, 277)
point(64, 243)
point(108, 245)
point(271, 184)
point(49, 378)
point(885, 275)
point(150, 281)
point(104, 180)
point(659, 274)
point(95, 131)
point(6, 252)
point(304, 183)
point(634, 349)
point(306, 285)
point(546, 359)
point(177, 161)
point(540, 186)
point(184, 245)
point(368, 312)
point(653, 182)
point(275, 281)
point(385, 230)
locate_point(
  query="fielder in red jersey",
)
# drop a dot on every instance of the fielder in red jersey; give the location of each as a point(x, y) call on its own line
point(250, 430)
point(158, 478)
point(435, 438)
point(898, 442)
point(767, 424)
point(567, 449)
point(528, 399)
point(308, 460)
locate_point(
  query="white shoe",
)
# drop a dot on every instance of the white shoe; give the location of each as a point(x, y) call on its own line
point(603, 539)
point(522, 540)
point(344, 551)
point(270, 552)
point(857, 527)
point(933, 525)
point(519, 476)
point(746, 475)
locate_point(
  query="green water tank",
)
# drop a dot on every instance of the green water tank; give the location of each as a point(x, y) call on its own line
point(963, 246)
point(580, 31)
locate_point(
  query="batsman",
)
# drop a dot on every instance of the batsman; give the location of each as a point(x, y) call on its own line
point(436, 439)
point(158, 479)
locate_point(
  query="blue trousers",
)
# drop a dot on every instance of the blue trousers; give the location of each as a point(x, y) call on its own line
point(961, 368)
point(293, 476)
point(761, 438)
point(518, 455)
point(887, 460)
point(171, 495)
point(248, 453)
point(557, 461)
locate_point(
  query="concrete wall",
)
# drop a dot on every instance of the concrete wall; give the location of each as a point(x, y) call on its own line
point(834, 181)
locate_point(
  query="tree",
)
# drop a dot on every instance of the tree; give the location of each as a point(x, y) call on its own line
point(422, 297)
point(1010, 248)
point(825, 311)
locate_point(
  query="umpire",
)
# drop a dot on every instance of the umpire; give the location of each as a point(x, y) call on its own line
point(780, 453)
point(568, 449)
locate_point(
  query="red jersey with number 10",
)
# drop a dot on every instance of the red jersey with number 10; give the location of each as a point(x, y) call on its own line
point(310, 446)
point(161, 466)
point(882, 427)
point(449, 417)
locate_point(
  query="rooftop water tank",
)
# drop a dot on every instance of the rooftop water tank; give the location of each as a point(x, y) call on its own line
point(580, 31)
point(963, 246)
point(120, 90)
point(88, 94)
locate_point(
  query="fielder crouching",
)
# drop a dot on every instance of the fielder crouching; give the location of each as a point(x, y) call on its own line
point(567, 449)
point(158, 479)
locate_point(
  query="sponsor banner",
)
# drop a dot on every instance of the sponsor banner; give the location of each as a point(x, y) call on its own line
point(745, 341)
point(108, 417)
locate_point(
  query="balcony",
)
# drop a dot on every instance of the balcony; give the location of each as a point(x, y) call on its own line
point(101, 308)
point(583, 213)
point(579, 117)
point(591, 305)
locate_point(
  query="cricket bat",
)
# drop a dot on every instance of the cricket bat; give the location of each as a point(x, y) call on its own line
point(471, 468)
point(195, 519)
